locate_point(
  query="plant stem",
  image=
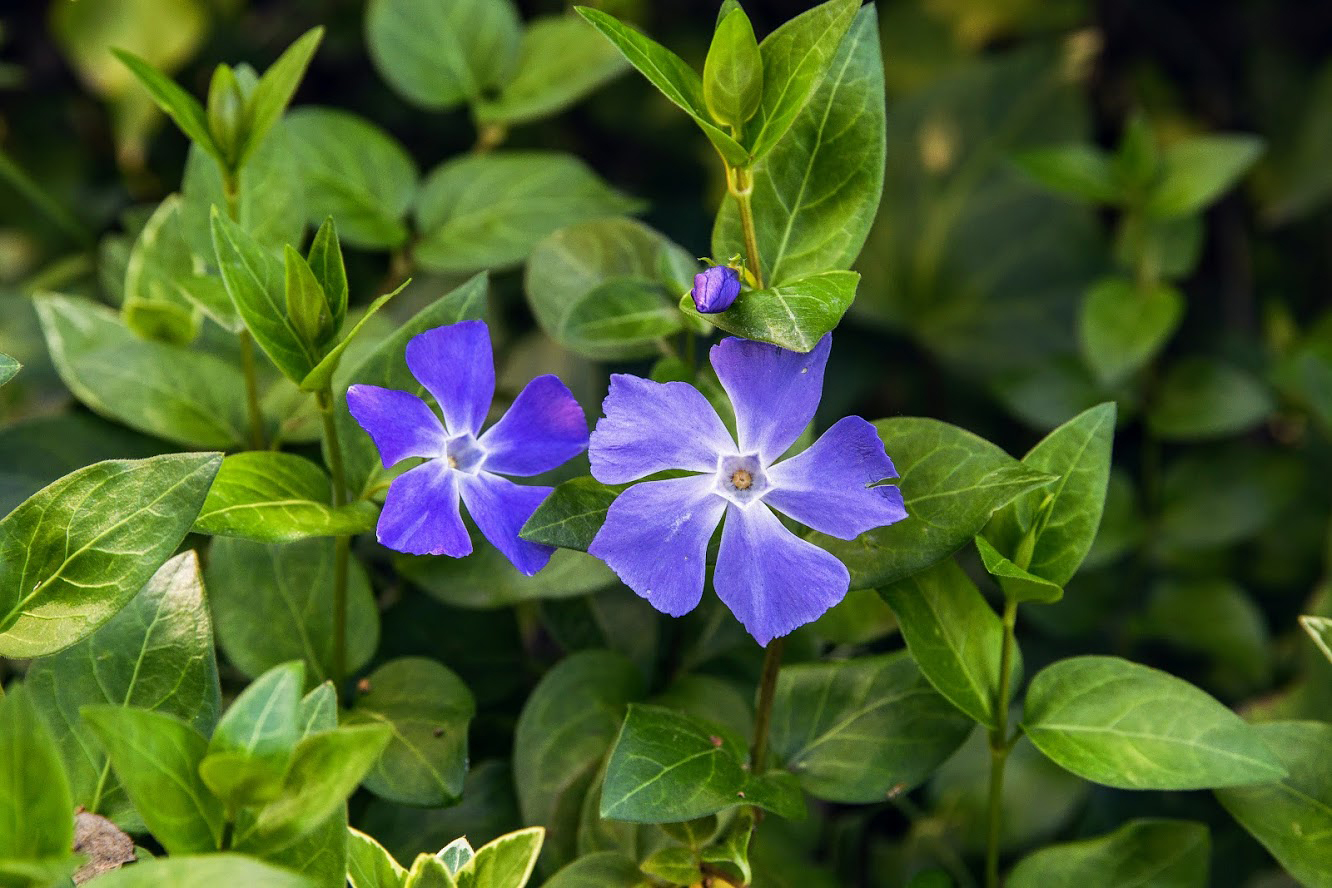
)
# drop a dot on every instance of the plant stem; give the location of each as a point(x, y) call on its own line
point(489, 136)
point(772, 664)
point(341, 544)
point(740, 182)
point(999, 748)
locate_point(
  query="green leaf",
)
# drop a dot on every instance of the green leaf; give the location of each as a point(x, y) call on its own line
point(1292, 818)
point(1019, 585)
point(321, 377)
point(157, 756)
point(571, 516)
point(489, 210)
point(673, 865)
point(305, 302)
point(669, 73)
point(1197, 171)
point(606, 869)
point(596, 288)
point(951, 481)
point(796, 57)
point(325, 260)
point(369, 865)
point(1233, 637)
point(179, 105)
point(486, 579)
point(429, 871)
point(1320, 630)
point(818, 189)
point(1141, 853)
point(440, 55)
point(733, 71)
point(456, 854)
point(253, 743)
point(201, 403)
point(794, 315)
point(1198, 511)
point(505, 862)
point(188, 871)
point(1122, 327)
point(1132, 727)
point(162, 274)
point(1200, 399)
point(1075, 170)
point(78, 550)
point(254, 279)
point(155, 654)
point(560, 60)
point(565, 729)
point(355, 172)
point(954, 636)
point(863, 730)
point(8, 367)
point(272, 605)
point(1063, 517)
point(667, 767)
point(428, 709)
point(273, 497)
point(35, 806)
point(276, 87)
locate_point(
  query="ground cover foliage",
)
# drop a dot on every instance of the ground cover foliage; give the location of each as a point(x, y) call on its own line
point(1065, 260)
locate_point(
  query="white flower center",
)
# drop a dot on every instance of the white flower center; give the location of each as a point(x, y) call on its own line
point(740, 479)
point(464, 454)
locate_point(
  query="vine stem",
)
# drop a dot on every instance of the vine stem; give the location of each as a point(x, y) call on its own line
point(255, 416)
point(341, 544)
point(1000, 745)
point(740, 183)
point(772, 664)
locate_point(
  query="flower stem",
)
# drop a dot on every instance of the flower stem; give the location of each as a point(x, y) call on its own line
point(772, 664)
point(740, 183)
point(999, 748)
point(341, 544)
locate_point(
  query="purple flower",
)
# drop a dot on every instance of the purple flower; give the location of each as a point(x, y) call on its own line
point(542, 429)
point(656, 533)
point(715, 289)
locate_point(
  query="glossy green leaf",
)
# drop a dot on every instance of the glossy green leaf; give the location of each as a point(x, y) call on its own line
point(1199, 398)
point(273, 497)
point(816, 191)
point(1293, 817)
point(486, 579)
point(186, 871)
point(428, 709)
point(862, 730)
point(794, 315)
point(35, 806)
point(156, 757)
point(1141, 853)
point(1065, 515)
point(1079, 171)
point(179, 105)
point(605, 869)
point(733, 71)
point(156, 654)
point(667, 767)
point(162, 272)
point(505, 862)
point(669, 73)
point(951, 481)
point(201, 403)
point(1198, 170)
point(77, 551)
point(456, 854)
point(1122, 327)
point(254, 278)
point(429, 871)
point(560, 59)
point(274, 604)
point(252, 744)
point(439, 55)
point(1129, 726)
point(488, 211)
point(673, 865)
point(369, 865)
point(953, 635)
point(306, 305)
point(355, 172)
point(1019, 585)
point(276, 87)
point(8, 367)
point(325, 260)
point(571, 516)
point(796, 58)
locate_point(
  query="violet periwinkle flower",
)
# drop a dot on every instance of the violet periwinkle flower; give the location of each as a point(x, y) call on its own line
point(715, 289)
point(656, 533)
point(543, 428)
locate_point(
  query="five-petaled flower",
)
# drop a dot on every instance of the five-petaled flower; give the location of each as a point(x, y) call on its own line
point(715, 289)
point(542, 429)
point(656, 533)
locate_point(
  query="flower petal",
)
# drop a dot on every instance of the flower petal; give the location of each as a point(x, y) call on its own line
point(400, 423)
point(542, 429)
point(456, 365)
point(500, 508)
point(774, 391)
point(653, 426)
point(827, 486)
point(421, 514)
point(656, 539)
point(772, 580)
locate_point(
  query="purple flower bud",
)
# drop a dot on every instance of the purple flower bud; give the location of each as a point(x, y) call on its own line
point(715, 289)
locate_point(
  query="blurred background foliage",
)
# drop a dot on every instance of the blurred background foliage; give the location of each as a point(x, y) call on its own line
point(988, 258)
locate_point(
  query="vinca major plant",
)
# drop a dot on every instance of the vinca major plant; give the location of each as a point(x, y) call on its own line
point(942, 512)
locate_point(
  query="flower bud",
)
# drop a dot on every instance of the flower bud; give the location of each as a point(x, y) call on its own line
point(715, 289)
